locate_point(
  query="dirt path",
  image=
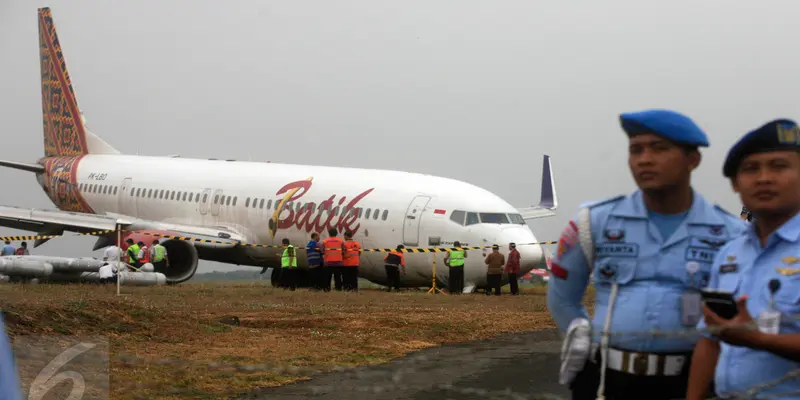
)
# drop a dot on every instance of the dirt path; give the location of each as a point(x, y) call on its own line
point(520, 366)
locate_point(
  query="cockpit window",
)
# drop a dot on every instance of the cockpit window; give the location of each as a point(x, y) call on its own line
point(494, 218)
point(516, 219)
point(458, 217)
point(472, 219)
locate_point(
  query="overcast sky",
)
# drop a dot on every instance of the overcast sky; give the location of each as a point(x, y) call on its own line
point(475, 91)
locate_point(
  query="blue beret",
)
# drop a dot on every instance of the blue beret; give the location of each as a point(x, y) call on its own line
point(777, 135)
point(665, 123)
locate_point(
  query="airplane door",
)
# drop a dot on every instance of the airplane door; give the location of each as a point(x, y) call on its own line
point(205, 201)
point(215, 200)
point(126, 201)
point(413, 218)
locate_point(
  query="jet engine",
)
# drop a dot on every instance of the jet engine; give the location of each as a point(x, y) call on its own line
point(182, 254)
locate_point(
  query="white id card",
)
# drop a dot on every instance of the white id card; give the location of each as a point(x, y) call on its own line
point(769, 321)
point(691, 308)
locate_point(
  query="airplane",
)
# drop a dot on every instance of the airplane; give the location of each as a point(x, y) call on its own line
point(224, 204)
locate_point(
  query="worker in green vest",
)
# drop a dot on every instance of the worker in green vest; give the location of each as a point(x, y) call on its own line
point(289, 266)
point(158, 256)
point(455, 260)
point(133, 253)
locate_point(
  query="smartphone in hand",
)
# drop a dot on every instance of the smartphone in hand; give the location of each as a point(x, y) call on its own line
point(720, 302)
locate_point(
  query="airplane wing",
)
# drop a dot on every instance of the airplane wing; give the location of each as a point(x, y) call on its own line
point(55, 222)
point(549, 201)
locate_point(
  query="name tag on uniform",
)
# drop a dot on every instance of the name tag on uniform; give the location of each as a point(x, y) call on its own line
point(691, 309)
point(617, 250)
point(769, 321)
point(728, 268)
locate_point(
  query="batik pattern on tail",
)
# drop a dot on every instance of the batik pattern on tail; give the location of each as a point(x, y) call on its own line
point(64, 133)
point(61, 183)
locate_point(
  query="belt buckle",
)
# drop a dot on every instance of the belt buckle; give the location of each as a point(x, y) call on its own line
point(640, 363)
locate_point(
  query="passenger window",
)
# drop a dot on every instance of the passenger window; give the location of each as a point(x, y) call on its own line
point(312, 207)
point(205, 197)
point(385, 214)
point(150, 193)
point(191, 195)
point(458, 217)
point(261, 204)
point(360, 212)
point(115, 190)
point(172, 195)
point(472, 219)
point(216, 198)
point(161, 194)
point(269, 204)
point(184, 196)
point(255, 203)
point(229, 201)
point(369, 210)
point(105, 189)
point(299, 206)
point(375, 215)
point(197, 197)
point(336, 211)
point(247, 202)
point(132, 192)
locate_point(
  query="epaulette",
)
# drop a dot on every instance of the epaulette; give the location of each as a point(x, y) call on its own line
point(595, 203)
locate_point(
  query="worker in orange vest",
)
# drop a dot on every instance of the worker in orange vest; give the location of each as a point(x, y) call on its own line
point(332, 255)
point(144, 254)
point(392, 263)
point(352, 256)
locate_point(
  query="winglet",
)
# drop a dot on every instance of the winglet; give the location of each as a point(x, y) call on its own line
point(548, 202)
point(549, 198)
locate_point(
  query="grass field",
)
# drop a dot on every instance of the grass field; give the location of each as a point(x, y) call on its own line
point(302, 328)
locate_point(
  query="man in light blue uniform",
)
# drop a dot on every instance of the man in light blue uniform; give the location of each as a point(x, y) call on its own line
point(762, 270)
point(649, 250)
point(9, 380)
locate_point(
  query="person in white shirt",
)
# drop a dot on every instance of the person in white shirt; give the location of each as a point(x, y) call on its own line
point(107, 273)
point(111, 254)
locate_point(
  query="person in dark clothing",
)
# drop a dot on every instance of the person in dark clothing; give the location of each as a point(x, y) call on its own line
point(494, 270)
point(314, 257)
point(512, 268)
point(394, 261)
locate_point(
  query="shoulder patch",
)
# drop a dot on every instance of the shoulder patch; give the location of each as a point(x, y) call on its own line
point(592, 204)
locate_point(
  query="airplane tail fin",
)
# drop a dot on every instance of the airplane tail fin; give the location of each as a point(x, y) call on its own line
point(548, 202)
point(65, 132)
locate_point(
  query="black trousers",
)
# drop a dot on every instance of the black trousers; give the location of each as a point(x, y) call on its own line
point(493, 282)
point(318, 275)
point(393, 276)
point(288, 278)
point(160, 266)
point(455, 282)
point(624, 386)
point(349, 278)
point(338, 279)
point(512, 280)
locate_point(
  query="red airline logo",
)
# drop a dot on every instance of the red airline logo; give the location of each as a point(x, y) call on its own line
point(345, 220)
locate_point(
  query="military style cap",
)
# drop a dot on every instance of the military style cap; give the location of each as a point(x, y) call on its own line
point(668, 124)
point(777, 135)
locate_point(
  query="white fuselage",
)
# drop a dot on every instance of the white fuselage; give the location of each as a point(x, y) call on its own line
point(395, 208)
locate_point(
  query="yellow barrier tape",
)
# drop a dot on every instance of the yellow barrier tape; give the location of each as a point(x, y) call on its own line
point(192, 239)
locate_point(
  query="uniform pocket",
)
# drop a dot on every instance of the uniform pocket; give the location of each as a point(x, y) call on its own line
point(611, 270)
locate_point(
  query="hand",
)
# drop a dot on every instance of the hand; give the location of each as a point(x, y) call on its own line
point(733, 330)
